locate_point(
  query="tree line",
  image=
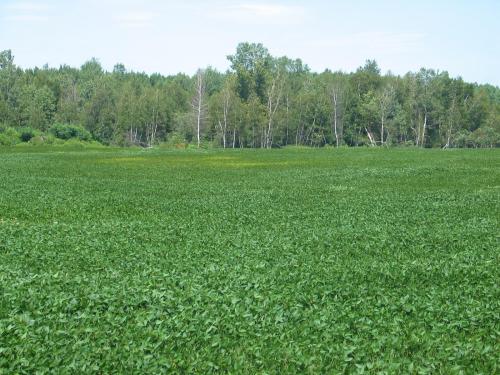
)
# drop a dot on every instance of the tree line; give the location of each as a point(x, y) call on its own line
point(261, 101)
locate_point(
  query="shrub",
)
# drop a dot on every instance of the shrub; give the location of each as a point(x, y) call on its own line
point(37, 140)
point(8, 136)
point(462, 139)
point(175, 140)
point(5, 141)
point(485, 137)
point(49, 139)
point(25, 134)
point(408, 144)
point(65, 131)
point(206, 144)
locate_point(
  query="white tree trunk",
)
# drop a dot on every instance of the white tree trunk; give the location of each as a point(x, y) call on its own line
point(382, 131)
point(335, 116)
point(227, 99)
point(198, 123)
point(199, 105)
point(373, 143)
point(422, 139)
point(223, 132)
point(273, 102)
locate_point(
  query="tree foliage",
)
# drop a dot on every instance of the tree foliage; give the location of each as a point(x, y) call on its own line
point(262, 101)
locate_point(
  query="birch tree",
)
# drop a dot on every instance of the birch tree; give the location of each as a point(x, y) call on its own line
point(274, 94)
point(199, 105)
point(337, 90)
point(386, 102)
point(153, 120)
point(221, 105)
point(424, 98)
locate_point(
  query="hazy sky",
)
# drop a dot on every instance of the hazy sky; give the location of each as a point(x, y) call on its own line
point(461, 36)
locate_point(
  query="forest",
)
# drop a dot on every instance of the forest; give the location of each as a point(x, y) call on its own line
point(262, 101)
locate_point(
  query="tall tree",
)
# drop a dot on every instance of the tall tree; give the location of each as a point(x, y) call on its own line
point(199, 104)
point(274, 94)
point(386, 105)
point(337, 89)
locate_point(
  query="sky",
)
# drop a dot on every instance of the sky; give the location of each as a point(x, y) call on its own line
point(167, 37)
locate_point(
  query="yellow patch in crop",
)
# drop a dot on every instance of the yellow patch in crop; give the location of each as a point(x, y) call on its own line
point(221, 158)
point(238, 163)
point(126, 159)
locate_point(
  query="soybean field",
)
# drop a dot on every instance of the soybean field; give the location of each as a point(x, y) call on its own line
point(249, 261)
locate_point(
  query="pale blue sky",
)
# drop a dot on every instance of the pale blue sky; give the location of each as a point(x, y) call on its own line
point(462, 36)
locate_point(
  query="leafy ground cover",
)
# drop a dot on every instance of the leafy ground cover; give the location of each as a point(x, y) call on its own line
point(280, 261)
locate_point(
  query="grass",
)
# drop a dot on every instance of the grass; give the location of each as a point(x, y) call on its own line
point(282, 261)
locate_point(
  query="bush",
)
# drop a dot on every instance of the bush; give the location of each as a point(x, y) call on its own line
point(5, 140)
point(462, 139)
point(408, 144)
point(485, 137)
point(25, 134)
point(175, 140)
point(8, 136)
point(43, 139)
point(64, 131)
point(37, 140)
point(206, 144)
